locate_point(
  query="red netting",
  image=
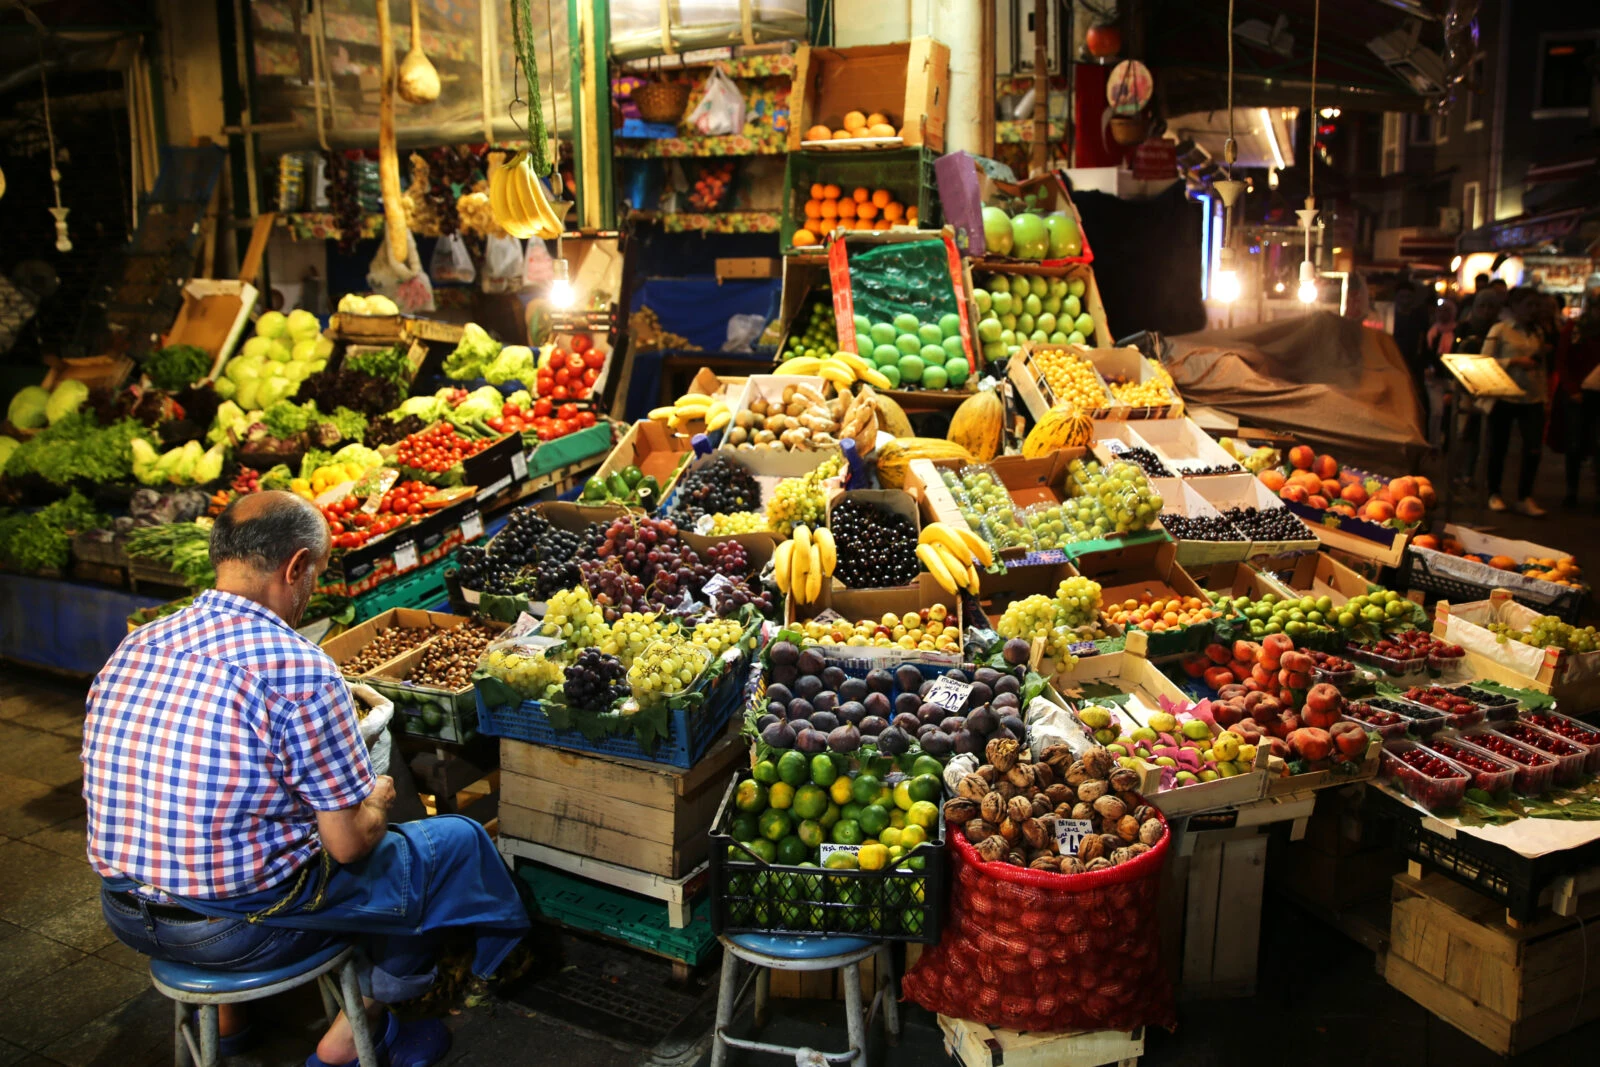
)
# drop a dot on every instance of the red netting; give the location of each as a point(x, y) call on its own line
point(1038, 951)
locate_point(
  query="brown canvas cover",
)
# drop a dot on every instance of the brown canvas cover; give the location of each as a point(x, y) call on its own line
point(1335, 384)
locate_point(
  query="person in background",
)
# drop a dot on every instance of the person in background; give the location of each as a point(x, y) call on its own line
point(1436, 379)
point(1519, 346)
point(1471, 332)
point(1576, 390)
point(1480, 283)
point(1411, 317)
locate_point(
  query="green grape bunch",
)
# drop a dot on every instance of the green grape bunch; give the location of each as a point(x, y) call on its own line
point(528, 672)
point(1548, 631)
point(572, 616)
point(632, 633)
point(668, 665)
point(801, 501)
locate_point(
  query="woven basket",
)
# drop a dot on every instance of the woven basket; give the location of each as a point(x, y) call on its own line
point(662, 101)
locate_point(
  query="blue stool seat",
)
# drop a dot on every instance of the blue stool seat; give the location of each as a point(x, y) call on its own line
point(800, 948)
point(207, 981)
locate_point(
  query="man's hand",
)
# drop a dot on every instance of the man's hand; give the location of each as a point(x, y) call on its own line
point(349, 834)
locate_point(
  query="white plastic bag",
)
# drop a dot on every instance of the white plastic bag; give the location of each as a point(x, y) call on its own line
point(451, 262)
point(721, 108)
point(537, 268)
point(404, 283)
point(743, 331)
point(503, 267)
point(375, 726)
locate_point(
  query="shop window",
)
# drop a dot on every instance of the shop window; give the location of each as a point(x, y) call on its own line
point(1566, 76)
point(1427, 129)
point(1475, 95)
point(1393, 156)
point(1472, 205)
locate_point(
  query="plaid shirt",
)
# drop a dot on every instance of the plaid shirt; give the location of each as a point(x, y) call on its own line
point(213, 738)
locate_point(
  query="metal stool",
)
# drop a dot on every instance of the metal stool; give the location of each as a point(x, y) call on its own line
point(793, 953)
point(204, 989)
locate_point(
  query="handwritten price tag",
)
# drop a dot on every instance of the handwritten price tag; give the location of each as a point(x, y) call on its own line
point(471, 526)
point(1070, 834)
point(826, 850)
point(1115, 447)
point(519, 466)
point(949, 694)
point(405, 557)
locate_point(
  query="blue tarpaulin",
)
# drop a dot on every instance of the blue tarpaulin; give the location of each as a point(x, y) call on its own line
point(64, 626)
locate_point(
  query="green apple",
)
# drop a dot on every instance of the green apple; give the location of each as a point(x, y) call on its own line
point(1076, 287)
point(984, 301)
point(911, 368)
point(1032, 304)
point(1045, 321)
point(1038, 285)
point(988, 331)
point(1002, 303)
point(1075, 338)
point(1084, 324)
point(1024, 323)
point(1008, 337)
point(1038, 337)
point(1071, 307)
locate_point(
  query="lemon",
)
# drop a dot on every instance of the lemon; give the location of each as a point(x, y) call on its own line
point(890, 836)
point(840, 861)
point(912, 836)
point(923, 813)
point(902, 795)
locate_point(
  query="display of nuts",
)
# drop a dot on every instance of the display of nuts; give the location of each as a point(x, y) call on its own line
point(1138, 848)
point(1071, 865)
point(988, 773)
point(1093, 790)
point(993, 849)
point(1006, 789)
point(1017, 859)
point(1034, 833)
point(972, 787)
point(1021, 776)
point(1151, 831)
point(1060, 793)
point(960, 810)
point(1044, 863)
point(1090, 848)
point(1098, 762)
point(1096, 865)
point(1083, 810)
point(1128, 828)
point(1019, 808)
point(1002, 753)
point(1109, 842)
point(1044, 775)
point(1011, 830)
point(978, 829)
point(1077, 774)
point(1041, 805)
point(1110, 808)
point(1121, 855)
point(1059, 757)
point(386, 646)
point(993, 807)
point(1123, 779)
point(449, 661)
point(1144, 813)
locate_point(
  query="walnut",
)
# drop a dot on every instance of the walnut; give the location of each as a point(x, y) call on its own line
point(1121, 855)
point(1044, 863)
point(1034, 832)
point(1041, 805)
point(1098, 762)
point(972, 787)
point(1077, 774)
point(1081, 810)
point(1002, 752)
point(1110, 808)
point(1017, 859)
point(1021, 776)
point(1071, 865)
point(993, 849)
point(987, 773)
point(1058, 756)
point(1110, 842)
point(1096, 865)
point(1090, 848)
point(978, 829)
point(1128, 828)
point(1044, 775)
point(1006, 789)
point(1092, 790)
point(1060, 793)
point(1011, 831)
point(993, 807)
point(1138, 848)
point(960, 810)
point(1130, 799)
point(1144, 813)
point(1151, 831)
point(1019, 808)
point(1124, 778)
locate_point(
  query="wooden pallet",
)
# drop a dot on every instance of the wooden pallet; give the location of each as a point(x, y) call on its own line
point(677, 893)
point(976, 1045)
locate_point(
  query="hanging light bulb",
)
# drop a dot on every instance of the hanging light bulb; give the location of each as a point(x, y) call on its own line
point(1308, 283)
point(1308, 214)
point(1225, 286)
point(561, 295)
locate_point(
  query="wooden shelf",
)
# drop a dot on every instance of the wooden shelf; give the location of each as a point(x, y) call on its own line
point(768, 65)
point(1020, 131)
point(714, 221)
point(768, 143)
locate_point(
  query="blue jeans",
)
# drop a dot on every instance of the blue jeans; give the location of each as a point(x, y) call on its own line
point(422, 880)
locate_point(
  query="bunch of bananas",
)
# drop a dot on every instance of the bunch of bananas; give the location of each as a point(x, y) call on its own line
point(690, 407)
point(950, 552)
point(518, 202)
point(843, 369)
point(803, 562)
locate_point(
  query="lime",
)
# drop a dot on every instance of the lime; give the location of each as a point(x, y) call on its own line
point(823, 770)
point(926, 787)
point(864, 788)
point(874, 820)
point(775, 824)
point(792, 850)
point(840, 861)
point(932, 354)
point(905, 322)
point(809, 802)
point(926, 764)
point(793, 768)
point(847, 890)
point(930, 333)
point(882, 333)
point(767, 850)
point(765, 772)
point(830, 816)
point(897, 818)
point(889, 836)
point(750, 796)
point(909, 344)
point(840, 791)
point(924, 814)
point(872, 857)
point(934, 376)
point(851, 810)
point(950, 325)
point(744, 827)
point(885, 355)
point(902, 795)
point(845, 832)
point(780, 795)
point(911, 368)
point(811, 832)
point(911, 920)
point(912, 836)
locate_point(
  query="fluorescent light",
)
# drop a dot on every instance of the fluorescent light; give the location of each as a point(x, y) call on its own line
point(1272, 137)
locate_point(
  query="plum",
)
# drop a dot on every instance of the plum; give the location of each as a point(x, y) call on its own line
point(851, 711)
point(780, 735)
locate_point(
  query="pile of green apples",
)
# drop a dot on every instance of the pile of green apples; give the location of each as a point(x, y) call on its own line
point(1013, 308)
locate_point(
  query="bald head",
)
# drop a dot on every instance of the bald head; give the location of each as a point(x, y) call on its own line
point(265, 530)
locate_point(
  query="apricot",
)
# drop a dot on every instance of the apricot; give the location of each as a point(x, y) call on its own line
point(1319, 502)
point(1402, 487)
point(1325, 466)
point(1355, 494)
point(1331, 488)
point(1272, 478)
point(1302, 456)
point(1311, 743)
point(1377, 511)
point(1409, 510)
point(1296, 493)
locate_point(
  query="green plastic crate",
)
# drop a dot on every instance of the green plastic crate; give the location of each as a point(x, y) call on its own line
point(420, 588)
point(583, 905)
point(553, 455)
point(905, 172)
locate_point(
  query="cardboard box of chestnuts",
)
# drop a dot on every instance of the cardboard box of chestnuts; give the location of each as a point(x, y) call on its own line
point(432, 695)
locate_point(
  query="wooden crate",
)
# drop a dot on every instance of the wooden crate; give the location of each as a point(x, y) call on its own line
point(976, 1045)
point(647, 816)
point(1222, 920)
point(1507, 988)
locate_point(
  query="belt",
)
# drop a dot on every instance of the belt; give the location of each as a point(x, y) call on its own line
point(160, 911)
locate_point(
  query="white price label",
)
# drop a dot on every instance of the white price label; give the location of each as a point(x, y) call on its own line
point(826, 850)
point(405, 557)
point(471, 526)
point(1070, 833)
point(519, 466)
point(949, 694)
point(1115, 447)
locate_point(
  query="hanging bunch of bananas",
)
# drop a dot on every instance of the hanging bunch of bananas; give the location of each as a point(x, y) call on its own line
point(804, 562)
point(842, 369)
point(952, 555)
point(517, 199)
point(690, 407)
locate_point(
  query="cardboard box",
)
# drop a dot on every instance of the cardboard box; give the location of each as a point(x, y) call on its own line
point(1034, 389)
point(1183, 446)
point(1234, 579)
point(214, 315)
point(1178, 498)
point(857, 604)
point(1227, 491)
point(1533, 590)
point(967, 183)
point(423, 711)
point(1313, 574)
point(908, 82)
point(1130, 365)
point(347, 644)
point(746, 267)
point(705, 383)
point(1359, 537)
point(370, 328)
point(1149, 569)
point(766, 462)
point(654, 449)
point(1573, 678)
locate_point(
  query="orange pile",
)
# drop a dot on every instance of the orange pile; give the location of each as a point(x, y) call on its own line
point(855, 125)
point(830, 209)
point(1158, 615)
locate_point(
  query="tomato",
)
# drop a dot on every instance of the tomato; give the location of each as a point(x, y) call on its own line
point(575, 362)
point(582, 342)
point(413, 509)
point(594, 359)
point(585, 418)
point(560, 392)
point(336, 527)
point(591, 376)
point(580, 392)
point(542, 406)
point(508, 410)
point(563, 427)
point(363, 519)
point(567, 411)
point(563, 376)
point(495, 422)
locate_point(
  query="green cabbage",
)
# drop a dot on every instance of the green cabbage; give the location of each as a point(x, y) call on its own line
point(27, 408)
point(65, 399)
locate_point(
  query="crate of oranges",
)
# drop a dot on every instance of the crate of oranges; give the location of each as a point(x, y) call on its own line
point(827, 194)
point(831, 208)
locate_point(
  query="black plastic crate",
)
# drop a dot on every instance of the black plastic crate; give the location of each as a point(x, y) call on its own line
point(751, 896)
point(1567, 606)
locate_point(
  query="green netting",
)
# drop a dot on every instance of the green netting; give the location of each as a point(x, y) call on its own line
point(905, 277)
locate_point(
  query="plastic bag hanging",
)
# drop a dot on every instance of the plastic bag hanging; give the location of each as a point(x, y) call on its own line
point(721, 107)
point(451, 262)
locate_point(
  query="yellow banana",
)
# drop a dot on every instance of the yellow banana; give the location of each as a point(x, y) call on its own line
point(695, 402)
point(717, 419)
point(799, 561)
point(520, 200)
point(837, 373)
point(854, 362)
point(802, 537)
point(972, 579)
point(956, 565)
point(941, 574)
point(799, 365)
point(823, 539)
point(780, 566)
point(814, 576)
point(505, 212)
point(980, 548)
point(937, 533)
point(876, 378)
point(545, 223)
point(659, 414)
